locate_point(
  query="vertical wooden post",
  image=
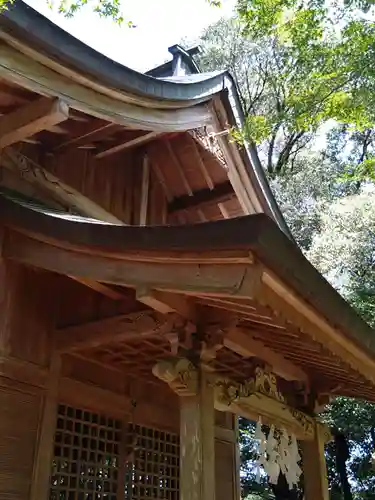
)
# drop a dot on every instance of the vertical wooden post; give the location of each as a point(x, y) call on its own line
point(197, 443)
point(144, 191)
point(44, 453)
point(314, 467)
point(237, 460)
point(227, 458)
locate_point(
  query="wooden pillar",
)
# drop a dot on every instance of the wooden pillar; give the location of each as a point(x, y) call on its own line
point(314, 466)
point(197, 443)
point(227, 457)
point(44, 452)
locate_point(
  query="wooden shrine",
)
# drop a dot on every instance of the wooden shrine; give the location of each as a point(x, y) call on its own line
point(150, 289)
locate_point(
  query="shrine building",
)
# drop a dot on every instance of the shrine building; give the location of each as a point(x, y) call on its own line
point(151, 291)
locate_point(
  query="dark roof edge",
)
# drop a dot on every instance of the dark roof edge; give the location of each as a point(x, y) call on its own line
point(187, 55)
point(36, 31)
point(253, 161)
point(257, 233)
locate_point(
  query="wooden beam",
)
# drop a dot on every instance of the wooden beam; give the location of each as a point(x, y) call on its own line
point(315, 467)
point(101, 288)
point(212, 279)
point(44, 454)
point(145, 188)
point(31, 119)
point(202, 197)
point(237, 171)
point(290, 306)
point(223, 210)
point(94, 131)
point(166, 303)
point(119, 328)
point(243, 343)
point(201, 164)
point(95, 397)
point(57, 189)
point(121, 146)
point(177, 164)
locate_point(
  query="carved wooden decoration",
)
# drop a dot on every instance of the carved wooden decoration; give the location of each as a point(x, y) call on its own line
point(258, 396)
point(180, 374)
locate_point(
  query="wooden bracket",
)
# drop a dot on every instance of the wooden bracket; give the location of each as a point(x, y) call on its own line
point(30, 119)
point(137, 325)
point(258, 396)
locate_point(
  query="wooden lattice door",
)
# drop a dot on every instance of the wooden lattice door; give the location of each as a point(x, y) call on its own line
point(86, 456)
point(92, 461)
point(154, 470)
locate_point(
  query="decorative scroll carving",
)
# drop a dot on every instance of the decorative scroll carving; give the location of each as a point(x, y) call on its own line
point(306, 422)
point(266, 383)
point(258, 396)
point(228, 392)
point(180, 374)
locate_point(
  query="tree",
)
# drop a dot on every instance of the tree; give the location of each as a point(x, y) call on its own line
point(249, 484)
point(288, 94)
point(304, 194)
point(344, 251)
point(294, 76)
point(104, 8)
point(262, 72)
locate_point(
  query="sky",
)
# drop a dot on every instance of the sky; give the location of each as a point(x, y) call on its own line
point(159, 24)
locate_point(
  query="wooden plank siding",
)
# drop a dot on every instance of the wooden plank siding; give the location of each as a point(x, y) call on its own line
point(115, 183)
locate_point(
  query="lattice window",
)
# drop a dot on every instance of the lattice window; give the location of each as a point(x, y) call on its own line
point(154, 471)
point(87, 464)
point(86, 456)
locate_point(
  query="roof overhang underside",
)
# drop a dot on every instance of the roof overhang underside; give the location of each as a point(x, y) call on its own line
point(45, 59)
point(231, 265)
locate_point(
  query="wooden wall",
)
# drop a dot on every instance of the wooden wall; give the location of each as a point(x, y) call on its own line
point(116, 183)
point(33, 382)
point(24, 329)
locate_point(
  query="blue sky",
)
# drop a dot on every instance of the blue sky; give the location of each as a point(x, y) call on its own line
point(160, 24)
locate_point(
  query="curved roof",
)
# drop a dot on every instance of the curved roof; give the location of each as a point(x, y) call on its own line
point(21, 24)
point(222, 251)
point(27, 25)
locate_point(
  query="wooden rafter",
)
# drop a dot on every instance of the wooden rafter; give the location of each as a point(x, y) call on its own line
point(202, 197)
point(101, 288)
point(243, 343)
point(58, 190)
point(68, 197)
point(237, 172)
point(30, 119)
point(145, 191)
point(166, 303)
point(201, 164)
point(94, 131)
point(143, 138)
point(160, 176)
point(177, 164)
point(131, 326)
